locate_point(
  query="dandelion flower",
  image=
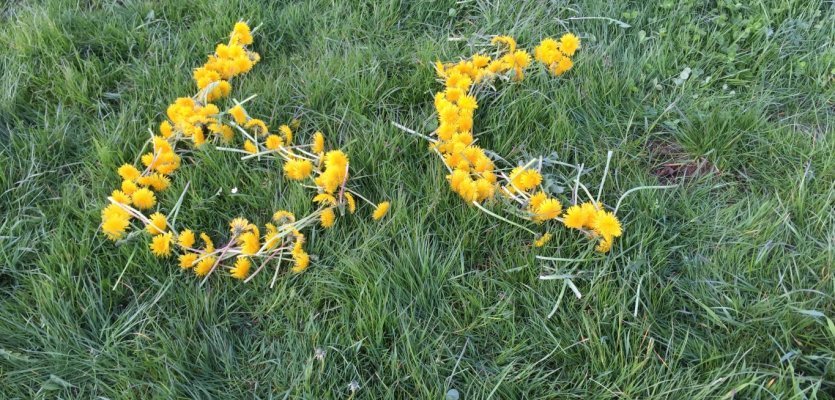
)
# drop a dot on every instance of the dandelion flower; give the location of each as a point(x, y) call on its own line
point(536, 200)
point(165, 129)
point(327, 218)
point(282, 217)
point(562, 66)
point(569, 44)
point(287, 132)
point(239, 114)
point(605, 244)
point(157, 224)
point(129, 187)
point(115, 227)
point(250, 147)
point(352, 203)
point(589, 214)
point(273, 142)
point(120, 197)
point(250, 243)
point(574, 217)
point(301, 261)
point(238, 225)
point(207, 242)
point(258, 126)
point(545, 238)
point(144, 198)
point(186, 239)
point(467, 103)
point(606, 224)
point(241, 34)
point(381, 210)
point(204, 266)
point(128, 172)
point(298, 169)
point(318, 142)
point(241, 268)
point(187, 260)
point(114, 211)
point(506, 41)
point(161, 245)
point(325, 199)
point(548, 209)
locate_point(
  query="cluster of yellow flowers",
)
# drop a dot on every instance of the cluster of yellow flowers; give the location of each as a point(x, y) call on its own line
point(472, 173)
point(327, 170)
point(192, 118)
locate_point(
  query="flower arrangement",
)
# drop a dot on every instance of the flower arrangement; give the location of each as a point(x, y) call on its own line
point(473, 174)
point(133, 208)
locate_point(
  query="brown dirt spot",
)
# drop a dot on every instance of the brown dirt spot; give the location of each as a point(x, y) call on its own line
point(672, 163)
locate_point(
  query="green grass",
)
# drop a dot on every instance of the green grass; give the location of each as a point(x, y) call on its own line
point(721, 288)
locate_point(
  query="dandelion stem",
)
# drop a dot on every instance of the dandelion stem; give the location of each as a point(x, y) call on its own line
point(635, 189)
point(499, 217)
point(413, 132)
point(605, 173)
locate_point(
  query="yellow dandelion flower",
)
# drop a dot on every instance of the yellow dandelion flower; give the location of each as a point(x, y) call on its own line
point(381, 210)
point(480, 60)
point(325, 199)
point(562, 66)
point(508, 41)
point(186, 239)
point(547, 210)
point(337, 160)
point(282, 217)
point(521, 59)
point(165, 129)
point(589, 214)
point(547, 52)
point(155, 181)
point(207, 241)
point(238, 225)
point(574, 217)
point(143, 198)
point(204, 266)
point(241, 34)
point(120, 197)
point(352, 203)
point(250, 243)
point(318, 143)
point(158, 224)
point(301, 261)
point(298, 169)
point(114, 211)
point(241, 268)
point(257, 126)
point(605, 244)
point(606, 224)
point(542, 240)
point(187, 260)
point(250, 147)
point(128, 172)
point(468, 103)
point(129, 187)
point(287, 132)
point(239, 114)
point(273, 142)
point(569, 44)
point(525, 179)
point(115, 227)
point(536, 200)
point(327, 218)
point(161, 245)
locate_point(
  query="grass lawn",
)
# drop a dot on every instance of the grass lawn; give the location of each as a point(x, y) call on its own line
point(720, 288)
